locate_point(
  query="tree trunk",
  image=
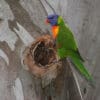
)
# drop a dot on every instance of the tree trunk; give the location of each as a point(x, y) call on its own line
point(21, 23)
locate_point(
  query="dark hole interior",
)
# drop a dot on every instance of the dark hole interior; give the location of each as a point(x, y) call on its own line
point(84, 90)
point(44, 54)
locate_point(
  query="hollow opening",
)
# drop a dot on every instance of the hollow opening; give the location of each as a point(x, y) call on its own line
point(44, 54)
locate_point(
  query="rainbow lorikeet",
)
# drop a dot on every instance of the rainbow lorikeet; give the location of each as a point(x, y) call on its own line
point(66, 44)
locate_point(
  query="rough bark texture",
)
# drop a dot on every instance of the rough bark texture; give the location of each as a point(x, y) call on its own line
point(21, 22)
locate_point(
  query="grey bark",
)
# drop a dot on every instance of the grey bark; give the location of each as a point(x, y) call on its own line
point(83, 16)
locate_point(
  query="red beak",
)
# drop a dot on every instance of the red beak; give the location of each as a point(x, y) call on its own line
point(47, 21)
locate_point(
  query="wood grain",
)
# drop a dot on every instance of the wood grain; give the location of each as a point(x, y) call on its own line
point(83, 16)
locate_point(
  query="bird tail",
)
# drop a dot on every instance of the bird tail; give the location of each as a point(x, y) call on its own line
point(81, 68)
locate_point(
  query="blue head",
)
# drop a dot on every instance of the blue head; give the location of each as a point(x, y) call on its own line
point(52, 19)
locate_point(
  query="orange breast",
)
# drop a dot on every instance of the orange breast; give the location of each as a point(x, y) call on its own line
point(55, 30)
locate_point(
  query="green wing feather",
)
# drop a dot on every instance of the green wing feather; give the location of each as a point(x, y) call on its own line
point(66, 39)
point(63, 53)
point(68, 48)
point(81, 68)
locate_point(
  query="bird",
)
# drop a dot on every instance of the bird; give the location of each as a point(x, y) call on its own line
point(66, 44)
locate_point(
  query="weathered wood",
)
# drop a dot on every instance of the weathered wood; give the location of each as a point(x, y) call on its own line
point(22, 21)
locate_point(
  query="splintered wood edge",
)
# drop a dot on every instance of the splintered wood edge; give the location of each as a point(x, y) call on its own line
point(46, 74)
